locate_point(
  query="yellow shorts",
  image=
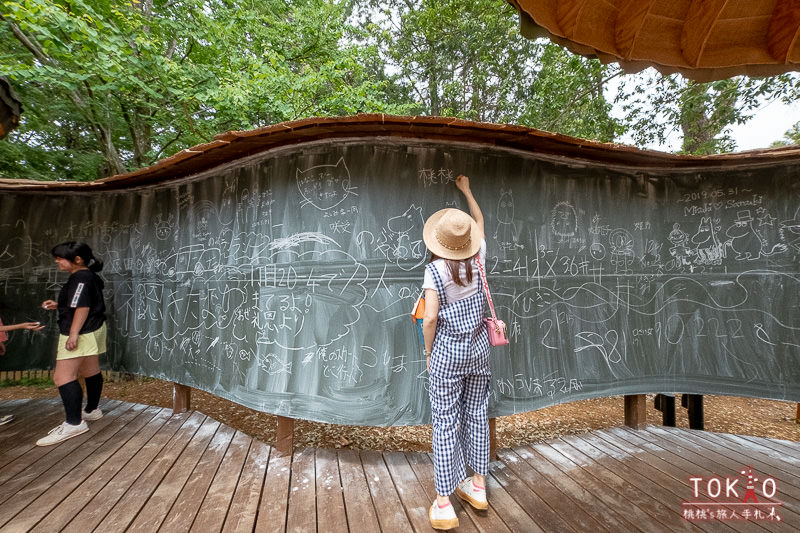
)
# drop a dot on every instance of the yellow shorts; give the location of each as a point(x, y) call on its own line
point(92, 343)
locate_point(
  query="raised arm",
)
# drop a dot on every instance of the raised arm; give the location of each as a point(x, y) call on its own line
point(462, 182)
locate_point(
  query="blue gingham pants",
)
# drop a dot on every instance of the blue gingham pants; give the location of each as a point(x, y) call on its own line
point(459, 390)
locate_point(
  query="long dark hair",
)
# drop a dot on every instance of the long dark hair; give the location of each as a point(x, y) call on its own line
point(70, 250)
point(454, 267)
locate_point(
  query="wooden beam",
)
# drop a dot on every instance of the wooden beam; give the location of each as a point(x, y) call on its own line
point(630, 19)
point(784, 29)
point(636, 411)
point(181, 398)
point(701, 18)
point(797, 416)
point(284, 436)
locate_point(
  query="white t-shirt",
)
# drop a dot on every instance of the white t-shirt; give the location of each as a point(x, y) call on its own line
point(452, 291)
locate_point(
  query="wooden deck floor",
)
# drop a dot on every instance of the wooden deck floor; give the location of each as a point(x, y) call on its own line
point(141, 468)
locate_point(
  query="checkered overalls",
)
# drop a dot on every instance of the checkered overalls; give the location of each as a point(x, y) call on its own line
point(459, 389)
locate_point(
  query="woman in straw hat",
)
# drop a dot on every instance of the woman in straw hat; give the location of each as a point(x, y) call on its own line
point(457, 353)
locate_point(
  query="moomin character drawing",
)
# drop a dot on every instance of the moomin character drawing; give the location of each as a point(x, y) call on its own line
point(747, 241)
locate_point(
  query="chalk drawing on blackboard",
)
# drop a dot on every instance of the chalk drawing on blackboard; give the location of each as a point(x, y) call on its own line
point(292, 241)
point(325, 186)
point(333, 299)
point(746, 241)
point(16, 247)
point(401, 239)
point(506, 234)
point(564, 221)
point(789, 231)
point(765, 219)
point(761, 334)
point(596, 248)
point(164, 228)
point(709, 250)
point(620, 243)
point(680, 250)
point(273, 365)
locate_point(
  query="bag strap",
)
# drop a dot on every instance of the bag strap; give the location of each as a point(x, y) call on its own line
point(486, 286)
point(437, 281)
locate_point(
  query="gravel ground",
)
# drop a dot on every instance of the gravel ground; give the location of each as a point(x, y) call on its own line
point(724, 414)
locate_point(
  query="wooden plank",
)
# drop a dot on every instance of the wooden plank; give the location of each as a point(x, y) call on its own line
point(48, 461)
point(729, 461)
point(275, 495)
point(617, 494)
point(144, 483)
point(516, 477)
point(244, 506)
point(214, 508)
point(331, 514)
point(731, 455)
point(797, 414)
point(505, 506)
point(361, 515)
point(128, 481)
point(674, 468)
point(302, 515)
point(411, 493)
point(468, 520)
point(32, 423)
point(32, 420)
point(79, 473)
point(635, 410)
point(62, 514)
point(787, 448)
point(159, 503)
point(552, 465)
point(187, 503)
point(641, 475)
point(388, 506)
point(704, 465)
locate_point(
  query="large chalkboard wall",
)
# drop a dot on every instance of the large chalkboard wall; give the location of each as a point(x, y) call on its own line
point(284, 282)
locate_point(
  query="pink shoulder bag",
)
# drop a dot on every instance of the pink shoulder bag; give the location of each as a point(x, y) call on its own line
point(498, 335)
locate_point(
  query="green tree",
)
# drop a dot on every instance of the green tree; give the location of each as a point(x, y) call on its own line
point(790, 137)
point(466, 58)
point(655, 106)
point(112, 86)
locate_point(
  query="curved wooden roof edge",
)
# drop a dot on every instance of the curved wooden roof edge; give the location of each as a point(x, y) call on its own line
point(704, 40)
point(233, 145)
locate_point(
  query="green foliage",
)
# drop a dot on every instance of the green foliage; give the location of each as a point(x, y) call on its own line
point(654, 106)
point(466, 58)
point(26, 381)
point(790, 137)
point(112, 86)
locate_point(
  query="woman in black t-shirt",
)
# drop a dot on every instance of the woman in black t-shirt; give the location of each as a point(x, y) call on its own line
point(81, 322)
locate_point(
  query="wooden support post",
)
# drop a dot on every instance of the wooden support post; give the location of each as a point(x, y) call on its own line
point(636, 411)
point(493, 439)
point(284, 436)
point(694, 406)
point(666, 404)
point(181, 398)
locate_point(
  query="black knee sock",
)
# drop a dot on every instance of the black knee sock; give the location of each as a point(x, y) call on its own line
point(94, 386)
point(72, 396)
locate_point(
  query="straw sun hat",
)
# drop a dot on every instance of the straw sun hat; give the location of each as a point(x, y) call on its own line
point(451, 234)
